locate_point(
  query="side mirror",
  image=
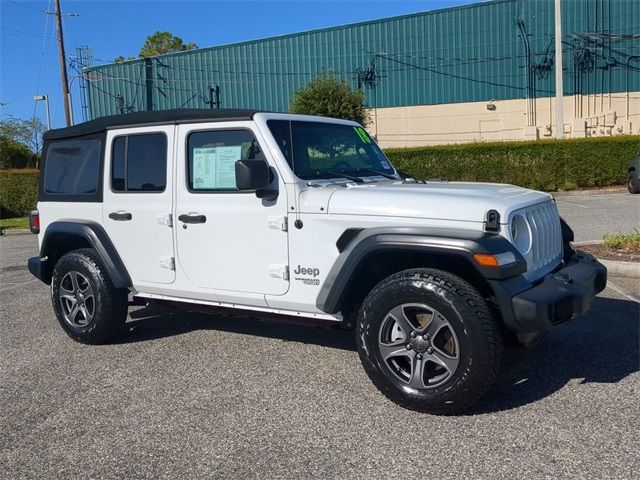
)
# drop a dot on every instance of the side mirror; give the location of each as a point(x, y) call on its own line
point(252, 175)
point(255, 176)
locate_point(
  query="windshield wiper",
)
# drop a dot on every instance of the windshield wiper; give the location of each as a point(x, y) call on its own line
point(347, 176)
point(382, 174)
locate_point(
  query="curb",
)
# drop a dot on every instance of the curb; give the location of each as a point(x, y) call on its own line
point(594, 191)
point(615, 267)
point(621, 269)
point(16, 231)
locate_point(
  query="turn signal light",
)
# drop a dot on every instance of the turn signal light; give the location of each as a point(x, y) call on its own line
point(486, 260)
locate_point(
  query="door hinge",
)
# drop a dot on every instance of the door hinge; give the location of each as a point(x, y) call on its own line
point(166, 220)
point(279, 223)
point(168, 263)
point(279, 271)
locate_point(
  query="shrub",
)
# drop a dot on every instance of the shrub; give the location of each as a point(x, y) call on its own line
point(619, 241)
point(18, 192)
point(543, 165)
point(329, 97)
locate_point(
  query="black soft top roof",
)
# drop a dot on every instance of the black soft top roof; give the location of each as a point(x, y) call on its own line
point(179, 115)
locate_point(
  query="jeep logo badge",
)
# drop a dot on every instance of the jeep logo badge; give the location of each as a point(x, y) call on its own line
point(314, 272)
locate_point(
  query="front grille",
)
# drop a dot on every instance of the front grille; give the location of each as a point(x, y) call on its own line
point(546, 239)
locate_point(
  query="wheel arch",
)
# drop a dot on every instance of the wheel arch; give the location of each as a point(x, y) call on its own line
point(62, 237)
point(373, 254)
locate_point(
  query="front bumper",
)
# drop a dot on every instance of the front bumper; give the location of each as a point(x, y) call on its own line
point(560, 296)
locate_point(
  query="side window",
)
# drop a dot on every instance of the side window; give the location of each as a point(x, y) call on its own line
point(212, 157)
point(139, 163)
point(72, 167)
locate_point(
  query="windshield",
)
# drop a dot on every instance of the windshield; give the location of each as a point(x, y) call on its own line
point(328, 150)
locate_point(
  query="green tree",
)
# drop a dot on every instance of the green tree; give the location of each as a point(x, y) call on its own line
point(160, 43)
point(20, 142)
point(120, 59)
point(329, 97)
point(15, 155)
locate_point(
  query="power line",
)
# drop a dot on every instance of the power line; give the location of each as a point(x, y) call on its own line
point(43, 52)
point(26, 6)
point(2, 27)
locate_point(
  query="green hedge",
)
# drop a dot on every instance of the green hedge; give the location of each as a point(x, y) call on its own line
point(18, 192)
point(543, 165)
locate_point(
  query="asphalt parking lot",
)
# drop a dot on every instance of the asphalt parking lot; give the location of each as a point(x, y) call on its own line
point(184, 395)
point(592, 214)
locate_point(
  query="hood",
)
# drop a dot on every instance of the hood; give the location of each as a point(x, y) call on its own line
point(459, 201)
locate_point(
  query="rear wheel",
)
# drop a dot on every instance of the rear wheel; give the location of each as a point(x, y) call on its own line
point(88, 307)
point(428, 341)
point(633, 185)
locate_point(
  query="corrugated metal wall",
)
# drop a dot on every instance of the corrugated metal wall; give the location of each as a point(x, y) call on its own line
point(462, 54)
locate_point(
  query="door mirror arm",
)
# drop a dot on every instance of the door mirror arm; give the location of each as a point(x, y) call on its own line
point(267, 194)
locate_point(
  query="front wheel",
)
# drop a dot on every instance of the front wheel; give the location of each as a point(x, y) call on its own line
point(428, 341)
point(633, 184)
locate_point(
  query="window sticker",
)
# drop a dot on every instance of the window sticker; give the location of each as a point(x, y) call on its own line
point(203, 168)
point(215, 167)
point(226, 166)
point(383, 160)
point(362, 134)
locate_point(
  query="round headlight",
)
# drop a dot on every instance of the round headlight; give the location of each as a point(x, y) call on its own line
point(520, 234)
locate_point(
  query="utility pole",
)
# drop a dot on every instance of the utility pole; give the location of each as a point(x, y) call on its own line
point(66, 96)
point(559, 87)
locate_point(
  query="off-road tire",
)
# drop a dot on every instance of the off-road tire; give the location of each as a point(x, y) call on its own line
point(111, 304)
point(633, 184)
point(478, 335)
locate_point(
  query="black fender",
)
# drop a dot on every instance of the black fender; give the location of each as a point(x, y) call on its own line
point(61, 232)
point(463, 243)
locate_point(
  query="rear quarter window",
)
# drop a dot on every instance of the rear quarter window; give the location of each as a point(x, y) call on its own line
point(72, 167)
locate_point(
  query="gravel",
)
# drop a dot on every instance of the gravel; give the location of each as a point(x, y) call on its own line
point(185, 395)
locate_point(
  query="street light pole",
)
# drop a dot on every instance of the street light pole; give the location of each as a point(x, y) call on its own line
point(559, 87)
point(46, 106)
point(66, 95)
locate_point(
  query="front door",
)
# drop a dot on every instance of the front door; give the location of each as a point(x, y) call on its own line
point(137, 204)
point(226, 239)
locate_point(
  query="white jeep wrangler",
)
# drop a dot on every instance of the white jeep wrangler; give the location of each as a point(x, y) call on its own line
point(298, 216)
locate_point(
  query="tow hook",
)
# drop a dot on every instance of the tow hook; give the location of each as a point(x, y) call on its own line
point(564, 278)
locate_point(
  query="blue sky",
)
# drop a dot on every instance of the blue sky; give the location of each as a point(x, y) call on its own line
point(28, 51)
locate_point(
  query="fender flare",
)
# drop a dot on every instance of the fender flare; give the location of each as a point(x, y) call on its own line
point(97, 238)
point(457, 242)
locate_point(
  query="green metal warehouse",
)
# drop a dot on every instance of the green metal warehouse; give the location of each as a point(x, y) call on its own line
point(477, 72)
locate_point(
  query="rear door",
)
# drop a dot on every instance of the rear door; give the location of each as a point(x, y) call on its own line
point(138, 200)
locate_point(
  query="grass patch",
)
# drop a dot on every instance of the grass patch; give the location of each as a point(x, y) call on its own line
point(620, 241)
point(18, 222)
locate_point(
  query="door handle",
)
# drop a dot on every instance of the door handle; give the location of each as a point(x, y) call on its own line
point(120, 216)
point(184, 218)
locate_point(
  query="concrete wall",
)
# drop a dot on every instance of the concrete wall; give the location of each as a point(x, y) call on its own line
point(585, 115)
